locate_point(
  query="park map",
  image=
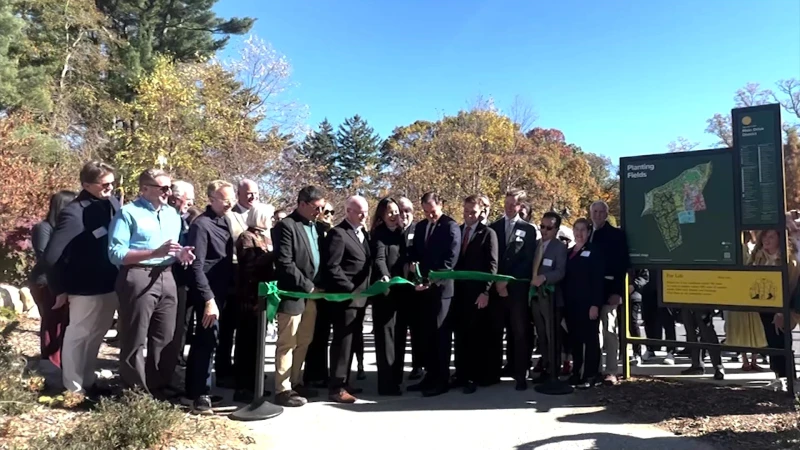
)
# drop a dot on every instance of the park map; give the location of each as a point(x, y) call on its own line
point(676, 202)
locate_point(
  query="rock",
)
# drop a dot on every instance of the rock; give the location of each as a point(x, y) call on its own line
point(33, 313)
point(11, 298)
point(27, 299)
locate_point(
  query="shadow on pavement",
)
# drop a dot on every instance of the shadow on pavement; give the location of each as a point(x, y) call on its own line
point(610, 441)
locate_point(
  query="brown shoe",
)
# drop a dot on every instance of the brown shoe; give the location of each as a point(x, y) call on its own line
point(341, 396)
point(610, 380)
point(289, 399)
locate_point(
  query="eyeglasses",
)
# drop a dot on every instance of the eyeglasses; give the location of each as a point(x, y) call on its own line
point(164, 189)
point(547, 227)
point(105, 185)
point(328, 212)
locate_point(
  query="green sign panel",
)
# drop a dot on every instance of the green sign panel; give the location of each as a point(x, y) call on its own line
point(757, 137)
point(678, 208)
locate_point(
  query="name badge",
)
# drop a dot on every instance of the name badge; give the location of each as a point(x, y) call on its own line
point(609, 277)
point(518, 239)
point(585, 253)
point(520, 233)
point(547, 262)
point(100, 232)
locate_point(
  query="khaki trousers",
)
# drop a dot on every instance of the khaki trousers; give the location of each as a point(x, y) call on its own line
point(295, 333)
point(90, 317)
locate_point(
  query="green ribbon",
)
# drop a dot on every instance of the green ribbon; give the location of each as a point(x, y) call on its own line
point(273, 294)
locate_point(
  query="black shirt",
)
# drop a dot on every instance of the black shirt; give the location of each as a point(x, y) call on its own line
point(40, 236)
point(212, 269)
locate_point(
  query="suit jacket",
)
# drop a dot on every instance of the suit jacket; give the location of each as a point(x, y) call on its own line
point(554, 265)
point(348, 262)
point(480, 256)
point(582, 286)
point(387, 248)
point(440, 252)
point(294, 264)
point(516, 257)
point(614, 245)
point(76, 258)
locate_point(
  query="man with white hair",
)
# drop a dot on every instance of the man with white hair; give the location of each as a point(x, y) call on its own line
point(347, 269)
point(613, 244)
point(408, 314)
point(182, 198)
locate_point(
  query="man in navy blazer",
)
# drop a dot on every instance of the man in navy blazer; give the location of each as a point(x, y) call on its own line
point(437, 241)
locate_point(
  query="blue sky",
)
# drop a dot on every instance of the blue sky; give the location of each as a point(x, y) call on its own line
point(619, 78)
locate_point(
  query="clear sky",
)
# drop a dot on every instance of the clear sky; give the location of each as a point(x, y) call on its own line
point(618, 77)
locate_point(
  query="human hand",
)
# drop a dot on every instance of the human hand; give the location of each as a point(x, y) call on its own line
point(778, 321)
point(614, 300)
point(210, 313)
point(61, 300)
point(502, 288)
point(482, 300)
point(186, 255)
point(630, 289)
point(593, 313)
point(539, 280)
point(167, 248)
point(421, 287)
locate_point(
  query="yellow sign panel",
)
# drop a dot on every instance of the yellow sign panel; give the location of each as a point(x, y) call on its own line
point(723, 287)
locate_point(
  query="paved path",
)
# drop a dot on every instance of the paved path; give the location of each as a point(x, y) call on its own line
point(495, 418)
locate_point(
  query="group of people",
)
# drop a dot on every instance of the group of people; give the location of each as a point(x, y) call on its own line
point(179, 276)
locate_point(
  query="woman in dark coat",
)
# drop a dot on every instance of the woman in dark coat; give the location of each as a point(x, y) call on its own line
point(582, 290)
point(256, 264)
point(387, 241)
point(53, 322)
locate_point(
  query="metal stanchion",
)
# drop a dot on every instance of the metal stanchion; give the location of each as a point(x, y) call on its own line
point(259, 408)
point(554, 386)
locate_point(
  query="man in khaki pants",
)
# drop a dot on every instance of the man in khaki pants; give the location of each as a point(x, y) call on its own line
point(297, 242)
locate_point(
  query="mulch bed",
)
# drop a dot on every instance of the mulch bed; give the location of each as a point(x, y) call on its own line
point(197, 432)
point(729, 417)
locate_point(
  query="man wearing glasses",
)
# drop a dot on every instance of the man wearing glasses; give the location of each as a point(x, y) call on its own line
point(144, 243)
point(80, 273)
point(297, 242)
point(211, 274)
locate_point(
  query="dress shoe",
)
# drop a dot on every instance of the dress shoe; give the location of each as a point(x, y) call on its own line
point(341, 396)
point(521, 385)
point(416, 374)
point(696, 370)
point(719, 373)
point(470, 387)
point(435, 391)
point(289, 399)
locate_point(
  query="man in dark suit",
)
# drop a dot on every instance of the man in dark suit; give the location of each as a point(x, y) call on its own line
point(613, 243)
point(408, 310)
point(348, 265)
point(549, 267)
point(297, 243)
point(437, 242)
point(478, 253)
point(517, 244)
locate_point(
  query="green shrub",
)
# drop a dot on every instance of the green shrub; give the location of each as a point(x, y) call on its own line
point(134, 422)
point(16, 397)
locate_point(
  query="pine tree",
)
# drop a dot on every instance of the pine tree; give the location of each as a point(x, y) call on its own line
point(357, 162)
point(320, 149)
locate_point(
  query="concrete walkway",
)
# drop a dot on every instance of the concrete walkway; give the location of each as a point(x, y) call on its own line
point(494, 418)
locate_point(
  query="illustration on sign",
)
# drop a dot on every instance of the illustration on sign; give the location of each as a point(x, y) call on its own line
point(763, 289)
point(677, 202)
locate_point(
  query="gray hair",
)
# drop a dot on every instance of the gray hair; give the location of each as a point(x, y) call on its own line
point(181, 188)
point(260, 216)
point(600, 203)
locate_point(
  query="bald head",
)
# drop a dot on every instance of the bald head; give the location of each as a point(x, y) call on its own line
point(599, 213)
point(356, 210)
point(247, 193)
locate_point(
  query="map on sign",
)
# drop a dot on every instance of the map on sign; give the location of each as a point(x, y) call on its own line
point(676, 203)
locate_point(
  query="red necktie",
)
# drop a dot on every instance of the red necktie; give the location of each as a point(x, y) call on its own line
point(465, 240)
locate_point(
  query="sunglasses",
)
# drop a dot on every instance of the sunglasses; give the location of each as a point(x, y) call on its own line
point(547, 227)
point(163, 189)
point(328, 212)
point(105, 185)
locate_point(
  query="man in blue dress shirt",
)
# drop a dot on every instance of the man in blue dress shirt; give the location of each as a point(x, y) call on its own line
point(144, 244)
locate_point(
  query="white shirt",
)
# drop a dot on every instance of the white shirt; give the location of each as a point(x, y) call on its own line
point(359, 231)
point(510, 223)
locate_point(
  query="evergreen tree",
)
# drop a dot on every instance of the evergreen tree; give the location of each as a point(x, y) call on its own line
point(357, 163)
point(319, 150)
point(20, 86)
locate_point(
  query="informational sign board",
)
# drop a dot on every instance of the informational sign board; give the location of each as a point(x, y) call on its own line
point(757, 136)
point(760, 289)
point(679, 208)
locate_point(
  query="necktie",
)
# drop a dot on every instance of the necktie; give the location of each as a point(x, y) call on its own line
point(537, 258)
point(465, 240)
point(431, 226)
point(509, 231)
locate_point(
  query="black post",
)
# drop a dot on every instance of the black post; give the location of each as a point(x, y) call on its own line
point(259, 408)
point(554, 386)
